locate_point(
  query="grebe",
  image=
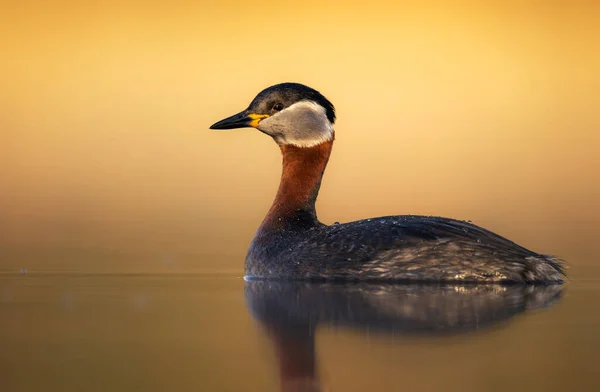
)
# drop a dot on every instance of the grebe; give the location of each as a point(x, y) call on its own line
point(292, 244)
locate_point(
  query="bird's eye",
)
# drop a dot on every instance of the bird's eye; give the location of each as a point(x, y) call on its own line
point(277, 107)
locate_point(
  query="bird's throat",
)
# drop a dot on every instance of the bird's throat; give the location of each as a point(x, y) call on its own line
point(301, 176)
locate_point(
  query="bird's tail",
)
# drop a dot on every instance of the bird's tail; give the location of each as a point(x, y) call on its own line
point(546, 268)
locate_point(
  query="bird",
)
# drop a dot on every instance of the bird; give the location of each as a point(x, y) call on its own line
point(292, 244)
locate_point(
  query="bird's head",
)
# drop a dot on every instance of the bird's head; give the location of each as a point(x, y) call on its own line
point(291, 113)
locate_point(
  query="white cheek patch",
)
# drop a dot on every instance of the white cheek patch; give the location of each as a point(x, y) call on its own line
point(303, 124)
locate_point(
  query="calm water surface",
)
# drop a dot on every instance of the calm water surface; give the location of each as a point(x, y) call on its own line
point(216, 332)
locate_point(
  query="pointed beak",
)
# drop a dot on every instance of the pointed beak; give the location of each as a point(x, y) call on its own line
point(241, 120)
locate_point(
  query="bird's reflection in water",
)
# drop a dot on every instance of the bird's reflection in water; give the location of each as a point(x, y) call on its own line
point(290, 312)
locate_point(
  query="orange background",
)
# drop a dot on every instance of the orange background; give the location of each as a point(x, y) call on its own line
point(487, 113)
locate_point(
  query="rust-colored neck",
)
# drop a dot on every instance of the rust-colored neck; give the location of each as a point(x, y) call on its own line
point(301, 176)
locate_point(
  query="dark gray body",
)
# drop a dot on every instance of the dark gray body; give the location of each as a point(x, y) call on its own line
point(395, 248)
